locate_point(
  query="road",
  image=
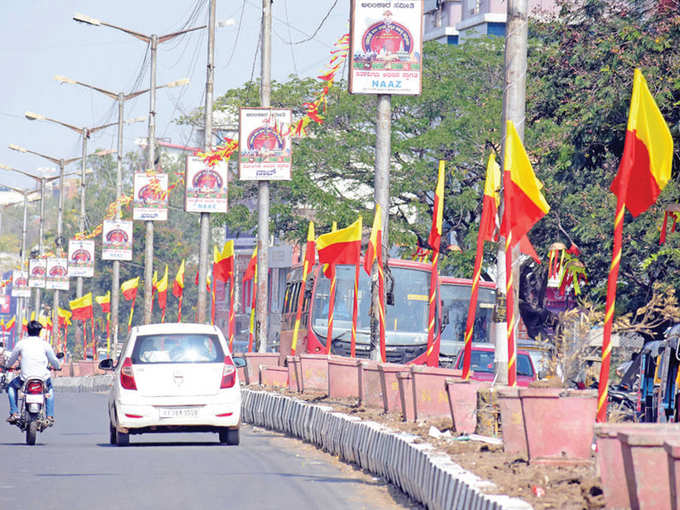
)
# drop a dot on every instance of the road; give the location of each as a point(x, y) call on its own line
point(73, 467)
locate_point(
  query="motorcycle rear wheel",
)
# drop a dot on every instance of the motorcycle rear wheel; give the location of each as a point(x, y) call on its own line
point(31, 432)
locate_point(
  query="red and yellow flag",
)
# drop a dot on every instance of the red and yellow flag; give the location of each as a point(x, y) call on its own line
point(10, 323)
point(487, 231)
point(524, 202)
point(645, 166)
point(178, 283)
point(129, 288)
point(252, 266)
point(373, 253)
point(310, 256)
point(162, 289)
point(105, 302)
point(342, 246)
point(223, 264)
point(81, 307)
point(644, 170)
point(438, 210)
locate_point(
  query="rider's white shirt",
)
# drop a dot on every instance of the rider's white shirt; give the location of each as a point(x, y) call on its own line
point(35, 355)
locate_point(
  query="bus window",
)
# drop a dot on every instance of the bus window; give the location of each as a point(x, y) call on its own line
point(409, 313)
point(286, 298)
point(455, 302)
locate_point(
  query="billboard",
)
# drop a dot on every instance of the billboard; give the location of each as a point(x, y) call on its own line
point(206, 187)
point(36, 273)
point(151, 197)
point(386, 47)
point(56, 276)
point(264, 152)
point(117, 240)
point(81, 258)
point(20, 284)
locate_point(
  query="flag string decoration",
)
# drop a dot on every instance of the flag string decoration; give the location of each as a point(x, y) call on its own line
point(487, 229)
point(644, 171)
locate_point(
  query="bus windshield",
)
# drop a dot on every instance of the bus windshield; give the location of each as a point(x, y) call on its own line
point(455, 301)
point(405, 319)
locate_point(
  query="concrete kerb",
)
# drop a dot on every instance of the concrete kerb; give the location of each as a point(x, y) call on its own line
point(426, 475)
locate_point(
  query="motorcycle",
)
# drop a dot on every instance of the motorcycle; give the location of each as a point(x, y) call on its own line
point(31, 402)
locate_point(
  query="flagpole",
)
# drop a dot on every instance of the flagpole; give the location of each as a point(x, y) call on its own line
point(603, 385)
point(472, 307)
point(132, 311)
point(231, 310)
point(381, 301)
point(355, 311)
point(94, 340)
point(431, 305)
point(252, 312)
point(331, 307)
point(108, 334)
point(179, 307)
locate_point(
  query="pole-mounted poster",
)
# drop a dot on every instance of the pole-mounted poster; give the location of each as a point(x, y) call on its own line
point(151, 197)
point(117, 240)
point(81, 258)
point(206, 187)
point(56, 276)
point(265, 144)
point(36, 273)
point(386, 47)
point(20, 284)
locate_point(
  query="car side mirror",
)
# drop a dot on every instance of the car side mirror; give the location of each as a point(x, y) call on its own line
point(239, 362)
point(60, 355)
point(106, 364)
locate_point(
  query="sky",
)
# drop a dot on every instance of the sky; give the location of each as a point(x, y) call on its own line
point(39, 40)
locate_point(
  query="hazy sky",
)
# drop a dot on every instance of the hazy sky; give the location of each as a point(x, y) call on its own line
point(39, 39)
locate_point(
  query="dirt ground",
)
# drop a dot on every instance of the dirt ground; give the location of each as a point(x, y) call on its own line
point(544, 487)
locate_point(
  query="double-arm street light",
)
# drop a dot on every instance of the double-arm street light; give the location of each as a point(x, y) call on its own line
point(42, 181)
point(153, 41)
point(59, 241)
point(121, 97)
point(22, 254)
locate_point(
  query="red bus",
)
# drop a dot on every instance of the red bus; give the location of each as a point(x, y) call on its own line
point(407, 287)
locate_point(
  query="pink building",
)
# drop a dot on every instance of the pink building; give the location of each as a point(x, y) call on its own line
point(453, 21)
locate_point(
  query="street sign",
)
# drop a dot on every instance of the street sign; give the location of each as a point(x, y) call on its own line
point(117, 240)
point(206, 186)
point(151, 197)
point(386, 47)
point(81, 258)
point(265, 144)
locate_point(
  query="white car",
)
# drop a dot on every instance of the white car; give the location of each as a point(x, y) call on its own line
point(174, 377)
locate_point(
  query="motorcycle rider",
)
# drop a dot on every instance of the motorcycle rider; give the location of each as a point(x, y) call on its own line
point(35, 355)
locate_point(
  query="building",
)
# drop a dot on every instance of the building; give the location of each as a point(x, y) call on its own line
point(454, 21)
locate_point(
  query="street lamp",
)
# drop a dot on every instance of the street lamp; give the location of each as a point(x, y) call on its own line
point(59, 241)
point(153, 40)
point(121, 98)
point(22, 254)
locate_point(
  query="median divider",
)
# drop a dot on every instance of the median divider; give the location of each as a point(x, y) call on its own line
point(428, 476)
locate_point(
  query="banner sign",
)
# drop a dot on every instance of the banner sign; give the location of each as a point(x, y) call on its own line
point(117, 240)
point(5, 304)
point(386, 47)
point(151, 197)
point(264, 151)
point(81, 258)
point(57, 274)
point(20, 284)
point(206, 186)
point(36, 273)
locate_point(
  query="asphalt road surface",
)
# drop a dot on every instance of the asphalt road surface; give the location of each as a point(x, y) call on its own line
point(73, 467)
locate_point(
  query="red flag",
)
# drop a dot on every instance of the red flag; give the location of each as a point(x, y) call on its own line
point(82, 307)
point(178, 282)
point(223, 264)
point(252, 265)
point(342, 246)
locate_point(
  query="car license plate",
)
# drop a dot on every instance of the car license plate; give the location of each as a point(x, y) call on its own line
point(178, 412)
point(34, 399)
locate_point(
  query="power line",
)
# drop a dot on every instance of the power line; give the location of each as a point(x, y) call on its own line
point(320, 25)
point(238, 32)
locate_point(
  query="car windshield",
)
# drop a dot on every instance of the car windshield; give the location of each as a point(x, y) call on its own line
point(408, 314)
point(482, 361)
point(177, 348)
point(455, 302)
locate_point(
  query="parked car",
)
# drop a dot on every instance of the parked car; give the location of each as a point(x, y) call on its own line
point(482, 365)
point(174, 378)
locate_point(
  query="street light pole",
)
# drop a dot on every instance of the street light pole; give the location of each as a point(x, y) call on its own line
point(207, 144)
point(261, 311)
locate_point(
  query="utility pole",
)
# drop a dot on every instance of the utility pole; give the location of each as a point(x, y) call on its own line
point(514, 104)
point(383, 149)
point(148, 241)
point(261, 310)
point(207, 145)
point(115, 270)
